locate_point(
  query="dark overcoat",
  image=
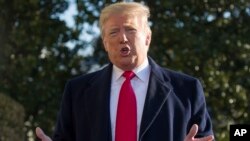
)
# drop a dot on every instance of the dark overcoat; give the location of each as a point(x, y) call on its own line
point(174, 102)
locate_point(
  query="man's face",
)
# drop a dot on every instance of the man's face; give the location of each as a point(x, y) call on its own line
point(126, 40)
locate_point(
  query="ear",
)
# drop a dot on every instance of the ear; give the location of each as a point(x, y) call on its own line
point(148, 38)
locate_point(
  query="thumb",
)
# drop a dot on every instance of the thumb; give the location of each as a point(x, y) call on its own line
point(193, 131)
point(41, 135)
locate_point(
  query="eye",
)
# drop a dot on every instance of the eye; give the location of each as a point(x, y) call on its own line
point(112, 33)
point(131, 30)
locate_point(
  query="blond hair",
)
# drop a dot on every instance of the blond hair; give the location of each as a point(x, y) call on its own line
point(124, 8)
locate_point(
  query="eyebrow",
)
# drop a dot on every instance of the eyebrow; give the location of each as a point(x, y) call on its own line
point(113, 29)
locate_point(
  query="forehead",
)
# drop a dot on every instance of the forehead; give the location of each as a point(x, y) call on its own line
point(120, 19)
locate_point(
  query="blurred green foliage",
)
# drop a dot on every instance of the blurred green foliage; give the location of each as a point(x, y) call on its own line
point(208, 39)
point(35, 59)
point(11, 119)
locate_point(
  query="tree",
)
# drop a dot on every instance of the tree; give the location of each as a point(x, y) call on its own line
point(11, 128)
point(206, 39)
point(36, 59)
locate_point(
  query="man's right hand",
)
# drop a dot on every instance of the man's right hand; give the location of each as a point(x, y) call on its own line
point(41, 135)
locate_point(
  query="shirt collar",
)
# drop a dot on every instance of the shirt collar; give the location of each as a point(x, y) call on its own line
point(142, 72)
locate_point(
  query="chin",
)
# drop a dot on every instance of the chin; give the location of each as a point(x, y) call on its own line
point(128, 66)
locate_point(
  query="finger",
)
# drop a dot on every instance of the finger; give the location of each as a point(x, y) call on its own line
point(39, 132)
point(192, 132)
point(41, 135)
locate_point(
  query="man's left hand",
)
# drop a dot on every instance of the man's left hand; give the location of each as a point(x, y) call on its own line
point(193, 131)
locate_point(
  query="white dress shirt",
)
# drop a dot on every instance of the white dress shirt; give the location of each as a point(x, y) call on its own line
point(139, 84)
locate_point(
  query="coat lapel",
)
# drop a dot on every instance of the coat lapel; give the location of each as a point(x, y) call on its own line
point(157, 93)
point(98, 103)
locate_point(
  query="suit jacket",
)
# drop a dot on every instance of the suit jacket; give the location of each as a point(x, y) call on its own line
point(174, 102)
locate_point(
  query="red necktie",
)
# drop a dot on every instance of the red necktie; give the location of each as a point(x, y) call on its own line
point(126, 117)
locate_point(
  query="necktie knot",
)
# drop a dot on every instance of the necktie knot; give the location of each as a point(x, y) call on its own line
point(128, 74)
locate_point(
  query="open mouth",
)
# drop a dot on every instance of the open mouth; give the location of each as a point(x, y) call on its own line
point(125, 51)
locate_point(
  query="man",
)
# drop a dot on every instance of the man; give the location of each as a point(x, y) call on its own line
point(169, 106)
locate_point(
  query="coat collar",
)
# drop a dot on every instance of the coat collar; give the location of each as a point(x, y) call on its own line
point(158, 90)
point(98, 104)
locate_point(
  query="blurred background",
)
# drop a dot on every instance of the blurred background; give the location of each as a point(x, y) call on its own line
point(43, 43)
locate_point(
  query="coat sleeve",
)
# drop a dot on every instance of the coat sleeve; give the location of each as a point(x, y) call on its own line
point(200, 115)
point(64, 130)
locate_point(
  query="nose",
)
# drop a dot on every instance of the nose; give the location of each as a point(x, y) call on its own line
point(123, 38)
